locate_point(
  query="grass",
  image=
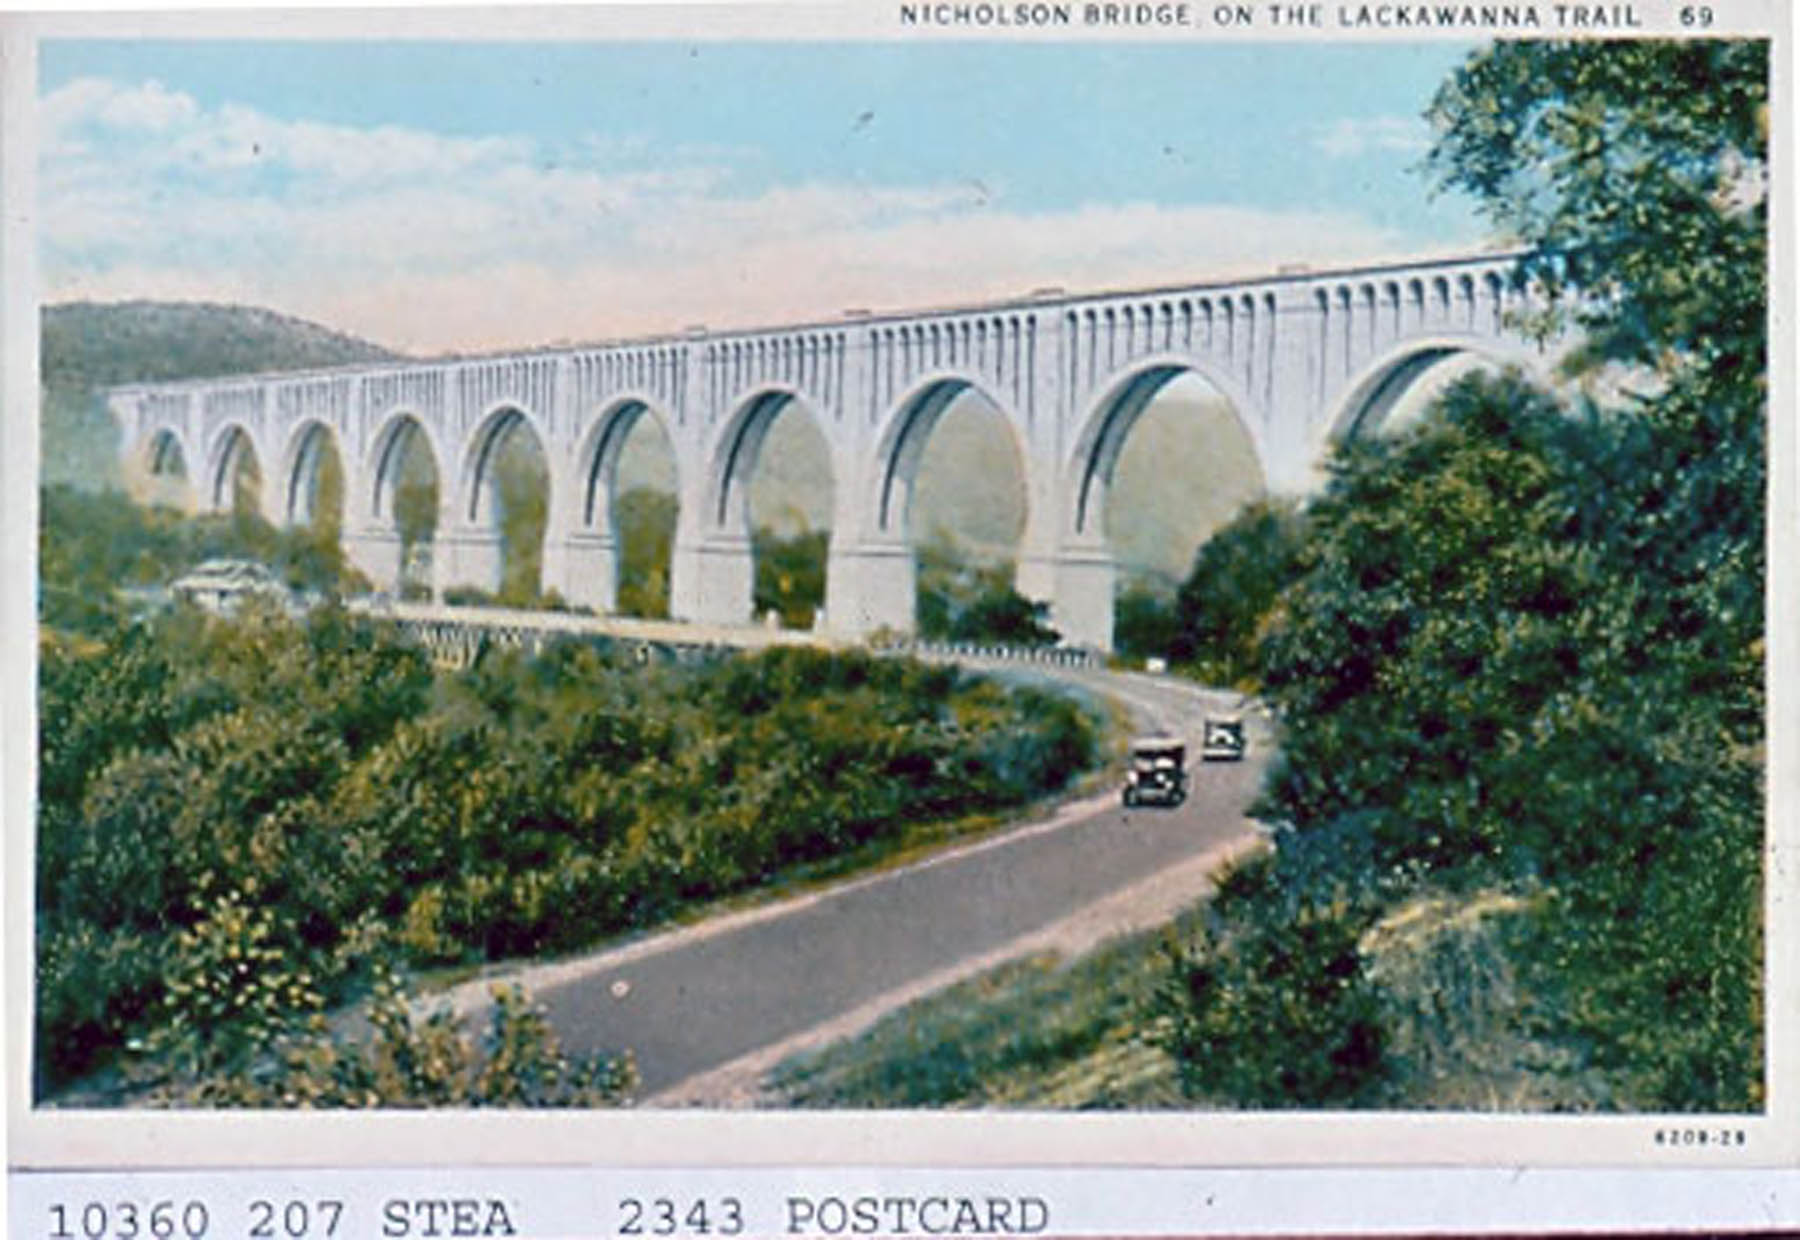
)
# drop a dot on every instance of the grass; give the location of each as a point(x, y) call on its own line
point(1458, 1015)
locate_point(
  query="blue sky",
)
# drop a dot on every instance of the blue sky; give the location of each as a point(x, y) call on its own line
point(470, 195)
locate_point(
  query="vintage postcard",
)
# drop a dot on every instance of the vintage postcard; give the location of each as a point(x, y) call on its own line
point(984, 584)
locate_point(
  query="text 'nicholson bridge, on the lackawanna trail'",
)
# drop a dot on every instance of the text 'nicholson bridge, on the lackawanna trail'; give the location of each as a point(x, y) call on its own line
point(1303, 357)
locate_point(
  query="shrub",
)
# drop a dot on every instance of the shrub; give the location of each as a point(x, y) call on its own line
point(1271, 1012)
point(406, 1060)
point(229, 993)
point(1238, 574)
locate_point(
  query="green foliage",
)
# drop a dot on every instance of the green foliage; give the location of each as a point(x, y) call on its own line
point(645, 521)
point(1524, 655)
point(963, 601)
point(185, 757)
point(1637, 172)
point(1144, 621)
point(229, 992)
point(1231, 594)
point(352, 809)
point(1277, 1010)
point(790, 575)
point(410, 1061)
point(91, 543)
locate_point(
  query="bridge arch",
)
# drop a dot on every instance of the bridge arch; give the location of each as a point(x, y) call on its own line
point(616, 545)
point(394, 510)
point(1107, 423)
point(1369, 398)
point(166, 453)
point(740, 447)
point(754, 567)
point(601, 449)
point(233, 465)
point(477, 491)
point(500, 509)
point(159, 469)
point(907, 429)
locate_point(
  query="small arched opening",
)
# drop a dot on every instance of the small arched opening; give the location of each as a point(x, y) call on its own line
point(237, 476)
point(315, 490)
point(1168, 459)
point(164, 477)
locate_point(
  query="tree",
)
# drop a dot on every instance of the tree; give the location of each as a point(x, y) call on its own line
point(1237, 576)
point(1636, 171)
point(790, 574)
point(1525, 647)
point(645, 521)
point(962, 600)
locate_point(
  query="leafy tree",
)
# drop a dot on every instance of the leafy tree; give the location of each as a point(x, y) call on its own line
point(645, 522)
point(1231, 592)
point(1144, 621)
point(1525, 649)
point(790, 574)
point(1636, 171)
point(964, 601)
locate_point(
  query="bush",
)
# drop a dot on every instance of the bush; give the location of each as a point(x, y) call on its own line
point(229, 993)
point(1271, 1012)
point(960, 600)
point(529, 804)
point(411, 1061)
point(1226, 602)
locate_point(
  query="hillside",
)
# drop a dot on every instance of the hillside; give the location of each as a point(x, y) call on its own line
point(86, 347)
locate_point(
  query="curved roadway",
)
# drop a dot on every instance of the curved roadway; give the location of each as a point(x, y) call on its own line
point(705, 1008)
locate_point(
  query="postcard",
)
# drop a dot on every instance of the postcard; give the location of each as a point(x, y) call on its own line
point(988, 585)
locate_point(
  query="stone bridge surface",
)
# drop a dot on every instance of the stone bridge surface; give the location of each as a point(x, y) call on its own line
point(1304, 358)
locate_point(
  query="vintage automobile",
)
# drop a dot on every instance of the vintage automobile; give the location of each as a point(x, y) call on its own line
point(1158, 774)
point(1222, 740)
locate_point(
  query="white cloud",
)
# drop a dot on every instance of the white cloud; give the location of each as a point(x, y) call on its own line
point(1348, 137)
point(427, 241)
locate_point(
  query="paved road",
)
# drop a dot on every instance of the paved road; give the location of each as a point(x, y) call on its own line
point(690, 1001)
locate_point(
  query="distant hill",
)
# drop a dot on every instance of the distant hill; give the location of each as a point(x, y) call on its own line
point(86, 346)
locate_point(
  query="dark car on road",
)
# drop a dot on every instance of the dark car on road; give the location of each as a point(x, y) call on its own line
point(1158, 774)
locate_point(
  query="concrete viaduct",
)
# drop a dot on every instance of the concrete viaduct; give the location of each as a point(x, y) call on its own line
point(1304, 357)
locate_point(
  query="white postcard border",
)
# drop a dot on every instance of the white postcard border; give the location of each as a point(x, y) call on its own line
point(43, 1138)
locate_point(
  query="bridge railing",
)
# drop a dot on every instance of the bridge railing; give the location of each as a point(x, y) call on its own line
point(457, 635)
point(997, 652)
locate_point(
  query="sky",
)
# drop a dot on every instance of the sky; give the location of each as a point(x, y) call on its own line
point(439, 197)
